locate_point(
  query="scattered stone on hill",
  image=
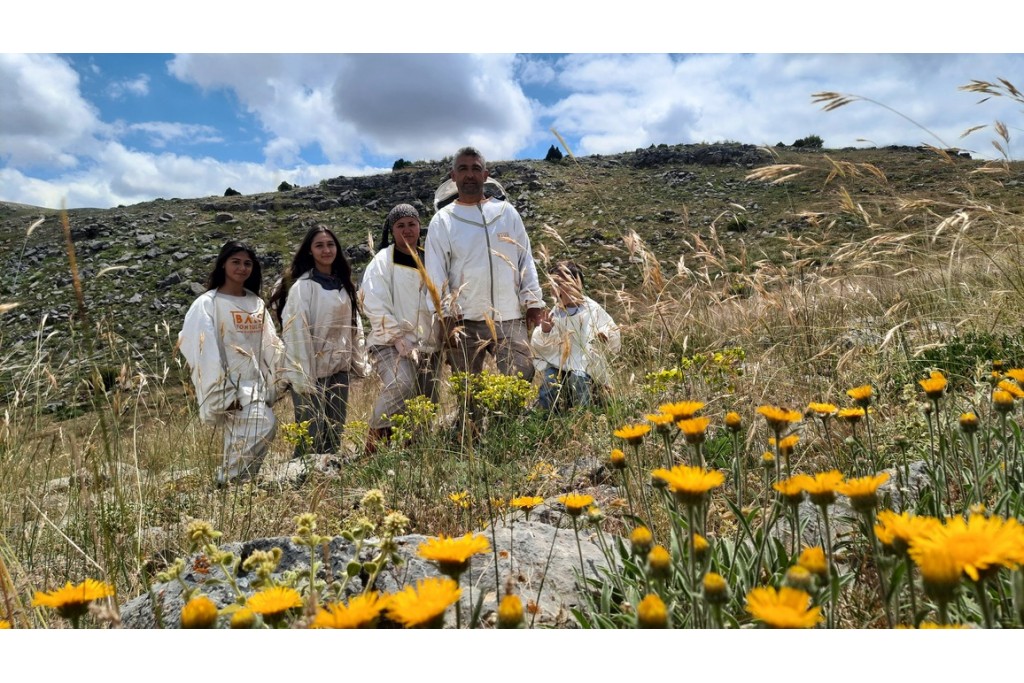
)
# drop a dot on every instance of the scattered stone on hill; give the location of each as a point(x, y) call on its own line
point(529, 552)
point(224, 217)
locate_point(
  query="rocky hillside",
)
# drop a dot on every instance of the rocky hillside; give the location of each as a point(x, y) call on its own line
point(142, 265)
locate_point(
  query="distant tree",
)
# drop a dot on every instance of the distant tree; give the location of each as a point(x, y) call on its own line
point(554, 154)
point(230, 192)
point(811, 142)
point(285, 186)
point(400, 164)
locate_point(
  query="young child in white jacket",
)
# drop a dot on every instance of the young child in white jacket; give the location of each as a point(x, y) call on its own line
point(323, 337)
point(572, 344)
point(234, 353)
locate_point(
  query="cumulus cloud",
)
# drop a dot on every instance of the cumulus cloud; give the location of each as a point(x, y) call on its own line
point(44, 121)
point(413, 106)
point(621, 102)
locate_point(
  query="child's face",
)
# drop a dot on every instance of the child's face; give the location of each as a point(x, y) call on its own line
point(566, 290)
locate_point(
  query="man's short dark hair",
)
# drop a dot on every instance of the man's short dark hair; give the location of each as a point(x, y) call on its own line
point(468, 152)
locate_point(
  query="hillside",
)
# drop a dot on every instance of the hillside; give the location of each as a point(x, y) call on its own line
point(692, 205)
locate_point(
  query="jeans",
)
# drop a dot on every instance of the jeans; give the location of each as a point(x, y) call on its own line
point(325, 407)
point(561, 389)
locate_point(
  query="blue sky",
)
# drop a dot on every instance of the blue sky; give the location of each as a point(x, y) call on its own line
point(101, 129)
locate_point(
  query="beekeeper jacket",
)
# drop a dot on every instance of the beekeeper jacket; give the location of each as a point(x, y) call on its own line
point(395, 302)
point(573, 344)
point(319, 338)
point(232, 354)
point(479, 257)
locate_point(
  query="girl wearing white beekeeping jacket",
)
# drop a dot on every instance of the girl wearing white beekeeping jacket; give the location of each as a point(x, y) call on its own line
point(402, 340)
point(234, 352)
point(323, 336)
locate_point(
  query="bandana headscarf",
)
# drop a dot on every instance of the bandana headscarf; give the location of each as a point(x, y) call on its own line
point(394, 215)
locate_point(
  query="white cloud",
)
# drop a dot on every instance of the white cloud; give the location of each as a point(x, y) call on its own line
point(138, 86)
point(410, 106)
point(621, 102)
point(161, 133)
point(44, 121)
point(124, 176)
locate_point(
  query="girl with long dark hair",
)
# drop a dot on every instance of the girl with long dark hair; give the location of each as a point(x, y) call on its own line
point(323, 336)
point(233, 352)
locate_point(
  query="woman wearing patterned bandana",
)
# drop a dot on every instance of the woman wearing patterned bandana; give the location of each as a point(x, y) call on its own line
point(402, 338)
point(323, 336)
point(234, 354)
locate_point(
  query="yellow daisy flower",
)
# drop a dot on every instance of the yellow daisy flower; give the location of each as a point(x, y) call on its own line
point(274, 603)
point(1016, 374)
point(694, 429)
point(617, 459)
point(733, 421)
point(779, 418)
point(659, 562)
point(1011, 388)
point(651, 613)
point(689, 484)
point(968, 423)
point(526, 503)
point(788, 444)
point(861, 395)
point(813, 560)
point(576, 503)
point(510, 612)
point(822, 410)
point(460, 499)
point(633, 434)
point(662, 422)
point(785, 608)
point(72, 601)
point(682, 410)
point(935, 386)
point(360, 612)
point(716, 590)
point(1002, 401)
point(793, 489)
point(199, 612)
point(641, 540)
point(822, 487)
point(424, 605)
point(863, 491)
point(898, 531)
point(451, 554)
point(851, 415)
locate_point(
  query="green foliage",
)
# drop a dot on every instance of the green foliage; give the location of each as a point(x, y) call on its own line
point(400, 164)
point(554, 154)
point(494, 392)
point(960, 357)
point(810, 142)
point(285, 186)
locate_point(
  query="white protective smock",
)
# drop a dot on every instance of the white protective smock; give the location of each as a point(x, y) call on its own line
point(319, 338)
point(573, 344)
point(479, 258)
point(234, 357)
point(395, 302)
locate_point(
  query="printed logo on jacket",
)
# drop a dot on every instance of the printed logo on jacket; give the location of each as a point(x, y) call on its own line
point(246, 322)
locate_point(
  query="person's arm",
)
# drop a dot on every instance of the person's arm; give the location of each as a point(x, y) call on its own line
point(531, 298)
point(273, 359)
point(378, 299)
point(298, 337)
point(605, 328)
point(198, 345)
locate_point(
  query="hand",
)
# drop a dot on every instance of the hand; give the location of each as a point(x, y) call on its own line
point(546, 322)
point(534, 317)
point(403, 347)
